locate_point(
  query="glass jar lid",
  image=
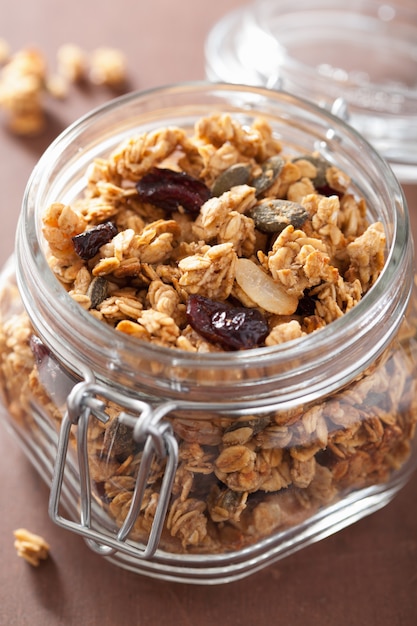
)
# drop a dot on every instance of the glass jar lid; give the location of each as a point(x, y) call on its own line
point(358, 60)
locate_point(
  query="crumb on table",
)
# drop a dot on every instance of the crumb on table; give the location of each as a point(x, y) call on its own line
point(33, 548)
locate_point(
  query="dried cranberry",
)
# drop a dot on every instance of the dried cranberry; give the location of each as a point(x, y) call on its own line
point(170, 190)
point(306, 306)
point(326, 190)
point(232, 327)
point(326, 458)
point(88, 243)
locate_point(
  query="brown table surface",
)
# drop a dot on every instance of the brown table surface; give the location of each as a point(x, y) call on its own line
point(364, 575)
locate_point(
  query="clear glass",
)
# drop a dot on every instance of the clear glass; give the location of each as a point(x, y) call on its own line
point(359, 57)
point(262, 451)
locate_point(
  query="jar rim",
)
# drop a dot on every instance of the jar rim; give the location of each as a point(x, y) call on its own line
point(108, 351)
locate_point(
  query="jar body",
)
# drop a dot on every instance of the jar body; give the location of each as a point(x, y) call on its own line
point(318, 467)
point(204, 470)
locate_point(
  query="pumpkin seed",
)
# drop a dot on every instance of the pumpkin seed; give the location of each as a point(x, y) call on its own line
point(273, 215)
point(271, 169)
point(97, 291)
point(237, 174)
point(320, 164)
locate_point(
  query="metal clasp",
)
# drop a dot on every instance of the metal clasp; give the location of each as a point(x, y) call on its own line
point(87, 399)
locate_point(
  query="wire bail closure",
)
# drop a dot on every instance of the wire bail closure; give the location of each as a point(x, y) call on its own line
point(86, 400)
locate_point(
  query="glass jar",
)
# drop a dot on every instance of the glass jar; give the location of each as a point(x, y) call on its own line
point(129, 434)
point(358, 60)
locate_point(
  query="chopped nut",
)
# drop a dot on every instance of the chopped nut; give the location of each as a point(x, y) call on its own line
point(262, 289)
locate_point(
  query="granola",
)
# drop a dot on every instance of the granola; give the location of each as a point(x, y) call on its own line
point(22, 91)
point(33, 548)
point(237, 480)
point(108, 66)
point(26, 81)
point(265, 245)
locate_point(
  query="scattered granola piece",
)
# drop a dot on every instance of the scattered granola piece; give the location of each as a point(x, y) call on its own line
point(25, 82)
point(33, 548)
point(72, 62)
point(108, 67)
point(57, 86)
point(4, 50)
point(22, 91)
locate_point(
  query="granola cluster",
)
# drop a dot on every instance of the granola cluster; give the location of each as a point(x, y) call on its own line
point(290, 241)
point(276, 233)
point(238, 480)
point(31, 547)
point(22, 91)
